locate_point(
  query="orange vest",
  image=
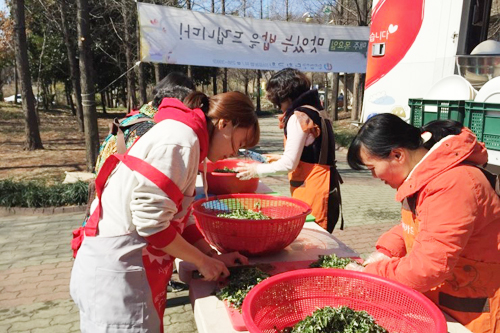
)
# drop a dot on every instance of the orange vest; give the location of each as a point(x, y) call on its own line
point(318, 184)
point(311, 184)
point(472, 293)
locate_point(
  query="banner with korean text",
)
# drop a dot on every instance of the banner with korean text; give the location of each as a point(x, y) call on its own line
point(177, 36)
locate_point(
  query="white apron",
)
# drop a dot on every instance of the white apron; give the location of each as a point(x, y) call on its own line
point(119, 283)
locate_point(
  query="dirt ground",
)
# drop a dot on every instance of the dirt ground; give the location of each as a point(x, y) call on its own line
point(64, 144)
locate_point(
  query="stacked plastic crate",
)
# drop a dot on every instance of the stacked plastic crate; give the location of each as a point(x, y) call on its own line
point(482, 118)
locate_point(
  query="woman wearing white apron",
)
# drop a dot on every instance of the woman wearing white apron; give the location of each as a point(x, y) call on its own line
point(139, 221)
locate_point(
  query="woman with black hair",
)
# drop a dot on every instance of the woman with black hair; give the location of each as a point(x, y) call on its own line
point(309, 156)
point(447, 244)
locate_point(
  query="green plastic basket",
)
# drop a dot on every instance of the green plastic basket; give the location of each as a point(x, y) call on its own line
point(424, 111)
point(484, 120)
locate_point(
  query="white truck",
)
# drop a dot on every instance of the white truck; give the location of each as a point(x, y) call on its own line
point(416, 43)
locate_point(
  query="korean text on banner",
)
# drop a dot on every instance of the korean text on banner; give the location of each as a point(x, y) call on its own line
point(177, 36)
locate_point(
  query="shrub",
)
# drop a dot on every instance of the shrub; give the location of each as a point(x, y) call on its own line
point(344, 133)
point(34, 194)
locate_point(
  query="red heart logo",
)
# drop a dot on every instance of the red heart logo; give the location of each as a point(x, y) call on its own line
point(395, 23)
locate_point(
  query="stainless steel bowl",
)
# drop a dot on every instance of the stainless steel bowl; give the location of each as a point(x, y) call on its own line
point(478, 69)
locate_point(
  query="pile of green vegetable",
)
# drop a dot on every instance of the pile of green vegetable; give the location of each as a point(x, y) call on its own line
point(336, 320)
point(225, 170)
point(244, 214)
point(240, 284)
point(331, 261)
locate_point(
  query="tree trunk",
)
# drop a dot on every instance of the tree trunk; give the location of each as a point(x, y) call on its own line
point(103, 101)
point(259, 75)
point(245, 73)
point(157, 73)
point(355, 97)
point(109, 98)
point(33, 139)
point(326, 102)
point(16, 83)
point(69, 99)
point(358, 88)
point(214, 80)
point(335, 93)
point(123, 95)
point(360, 94)
point(44, 90)
point(73, 63)
point(345, 107)
point(224, 81)
point(87, 84)
point(354, 110)
point(46, 97)
point(140, 72)
point(127, 38)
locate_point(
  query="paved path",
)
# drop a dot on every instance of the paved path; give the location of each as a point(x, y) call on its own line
point(35, 256)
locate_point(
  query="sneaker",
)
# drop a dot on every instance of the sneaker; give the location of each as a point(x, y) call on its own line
point(174, 286)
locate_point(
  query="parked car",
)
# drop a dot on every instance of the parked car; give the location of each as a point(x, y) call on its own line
point(11, 98)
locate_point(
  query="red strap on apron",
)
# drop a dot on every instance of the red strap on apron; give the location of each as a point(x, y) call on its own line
point(134, 164)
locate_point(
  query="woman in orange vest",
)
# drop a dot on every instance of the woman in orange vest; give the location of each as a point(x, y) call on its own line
point(447, 245)
point(309, 156)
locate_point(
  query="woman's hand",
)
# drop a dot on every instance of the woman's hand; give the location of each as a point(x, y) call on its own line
point(374, 257)
point(246, 170)
point(354, 267)
point(212, 269)
point(233, 259)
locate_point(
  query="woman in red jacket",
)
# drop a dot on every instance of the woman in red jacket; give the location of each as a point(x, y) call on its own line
point(447, 245)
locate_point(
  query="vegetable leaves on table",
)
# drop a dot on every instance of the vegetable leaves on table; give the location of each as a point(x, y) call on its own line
point(331, 261)
point(240, 284)
point(336, 320)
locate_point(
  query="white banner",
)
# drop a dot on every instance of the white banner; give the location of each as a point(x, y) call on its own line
point(177, 36)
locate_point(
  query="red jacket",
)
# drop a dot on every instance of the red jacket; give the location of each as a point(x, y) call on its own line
point(449, 238)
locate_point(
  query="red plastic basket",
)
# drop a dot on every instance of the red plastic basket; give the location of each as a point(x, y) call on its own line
point(227, 183)
point(251, 237)
point(284, 299)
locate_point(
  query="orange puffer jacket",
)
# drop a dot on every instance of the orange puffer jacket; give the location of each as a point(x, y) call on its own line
point(448, 243)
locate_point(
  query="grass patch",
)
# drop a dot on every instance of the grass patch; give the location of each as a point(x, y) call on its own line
point(10, 111)
point(344, 132)
point(34, 194)
point(269, 112)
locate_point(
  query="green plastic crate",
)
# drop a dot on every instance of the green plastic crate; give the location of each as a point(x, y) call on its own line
point(423, 111)
point(484, 120)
